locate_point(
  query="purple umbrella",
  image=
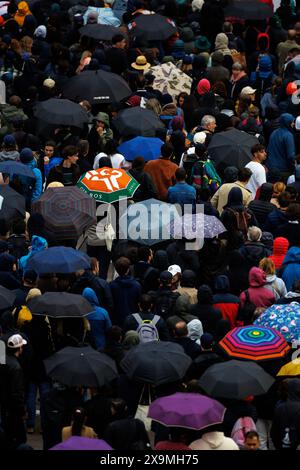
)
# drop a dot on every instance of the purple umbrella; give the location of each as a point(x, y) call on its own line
point(82, 443)
point(187, 410)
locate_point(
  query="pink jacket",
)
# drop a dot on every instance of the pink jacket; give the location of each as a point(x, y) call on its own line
point(258, 294)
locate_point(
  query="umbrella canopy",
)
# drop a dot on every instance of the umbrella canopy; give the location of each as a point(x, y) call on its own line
point(235, 379)
point(82, 443)
point(147, 222)
point(59, 259)
point(137, 121)
point(170, 79)
point(67, 211)
point(97, 86)
point(250, 9)
point(231, 148)
point(16, 168)
point(60, 305)
point(101, 32)
point(146, 147)
point(12, 204)
point(156, 363)
point(61, 112)
point(7, 298)
point(84, 367)
point(196, 226)
point(254, 343)
point(283, 318)
point(292, 369)
point(187, 410)
point(108, 184)
point(152, 27)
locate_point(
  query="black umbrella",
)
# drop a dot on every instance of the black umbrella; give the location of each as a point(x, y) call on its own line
point(156, 363)
point(137, 121)
point(152, 27)
point(12, 205)
point(231, 148)
point(250, 9)
point(97, 87)
point(7, 298)
point(60, 305)
point(61, 112)
point(235, 379)
point(101, 32)
point(81, 367)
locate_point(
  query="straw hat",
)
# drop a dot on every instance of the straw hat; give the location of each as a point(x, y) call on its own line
point(141, 63)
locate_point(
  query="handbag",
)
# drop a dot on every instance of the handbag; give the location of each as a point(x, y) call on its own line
point(109, 232)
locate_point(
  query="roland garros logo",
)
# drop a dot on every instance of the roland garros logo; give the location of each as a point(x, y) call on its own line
point(108, 177)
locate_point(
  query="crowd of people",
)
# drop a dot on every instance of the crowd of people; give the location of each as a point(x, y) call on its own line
point(243, 76)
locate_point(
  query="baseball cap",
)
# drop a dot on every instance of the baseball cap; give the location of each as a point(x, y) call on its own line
point(291, 88)
point(16, 341)
point(174, 269)
point(206, 340)
point(199, 137)
point(248, 90)
point(165, 277)
point(49, 83)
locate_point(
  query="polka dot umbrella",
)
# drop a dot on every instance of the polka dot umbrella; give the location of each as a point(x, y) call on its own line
point(254, 343)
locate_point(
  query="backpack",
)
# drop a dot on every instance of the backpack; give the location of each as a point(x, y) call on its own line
point(147, 330)
point(289, 435)
point(241, 427)
point(245, 315)
point(165, 303)
point(205, 176)
point(242, 219)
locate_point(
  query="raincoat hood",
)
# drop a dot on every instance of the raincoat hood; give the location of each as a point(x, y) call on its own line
point(285, 120)
point(23, 8)
point(90, 296)
point(222, 284)
point(257, 277)
point(280, 246)
point(195, 330)
point(103, 117)
point(182, 306)
point(38, 244)
point(293, 255)
point(294, 389)
point(213, 439)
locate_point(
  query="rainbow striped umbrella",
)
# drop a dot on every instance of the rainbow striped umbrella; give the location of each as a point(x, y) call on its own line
point(254, 343)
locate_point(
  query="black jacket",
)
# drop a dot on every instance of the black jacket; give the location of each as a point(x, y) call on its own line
point(287, 414)
point(208, 315)
point(56, 174)
point(99, 286)
point(147, 189)
point(12, 387)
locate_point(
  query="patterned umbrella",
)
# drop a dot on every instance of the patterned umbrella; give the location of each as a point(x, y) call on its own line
point(254, 343)
point(108, 184)
point(196, 226)
point(67, 211)
point(283, 318)
point(170, 79)
point(187, 410)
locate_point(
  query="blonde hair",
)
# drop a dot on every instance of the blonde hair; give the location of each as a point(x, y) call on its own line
point(154, 105)
point(267, 265)
point(278, 188)
point(55, 184)
point(26, 44)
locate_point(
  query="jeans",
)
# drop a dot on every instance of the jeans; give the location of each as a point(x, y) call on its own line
point(32, 389)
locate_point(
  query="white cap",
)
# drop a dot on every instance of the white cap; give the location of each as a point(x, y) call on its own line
point(16, 341)
point(199, 138)
point(174, 269)
point(248, 90)
point(49, 83)
point(297, 123)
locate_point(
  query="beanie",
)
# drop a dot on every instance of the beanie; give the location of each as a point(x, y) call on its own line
point(26, 155)
point(9, 140)
point(203, 86)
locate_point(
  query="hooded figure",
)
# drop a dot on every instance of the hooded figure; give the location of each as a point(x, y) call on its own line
point(204, 310)
point(290, 269)
point(259, 295)
point(97, 141)
point(227, 303)
point(99, 319)
point(281, 148)
point(37, 244)
point(214, 440)
point(22, 12)
point(280, 248)
point(32, 190)
point(285, 431)
point(195, 330)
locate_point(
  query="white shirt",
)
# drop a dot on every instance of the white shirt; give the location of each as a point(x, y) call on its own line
point(258, 177)
point(117, 160)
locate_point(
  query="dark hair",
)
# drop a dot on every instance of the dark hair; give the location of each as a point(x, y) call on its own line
point(145, 302)
point(257, 148)
point(83, 147)
point(18, 227)
point(78, 419)
point(284, 199)
point(69, 151)
point(252, 434)
point(138, 163)
point(119, 407)
point(143, 253)
point(166, 150)
point(122, 265)
point(180, 174)
point(115, 333)
point(110, 147)
point(181, 329)
point(293, 212)
point(117, 38)
point(292, 191)
point(50, 143)
point(244, 174)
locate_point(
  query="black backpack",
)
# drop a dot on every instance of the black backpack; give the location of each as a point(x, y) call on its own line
point(165, 303)
point(245, 315)
point(290, 438)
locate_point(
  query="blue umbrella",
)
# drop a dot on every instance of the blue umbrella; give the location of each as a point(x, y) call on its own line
point(16, 168)
point(147, 147)
point(147, 222)
point(58, 259)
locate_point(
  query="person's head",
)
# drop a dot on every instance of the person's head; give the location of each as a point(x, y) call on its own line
point(165, 279)
point(254, 234)
point(291, 35)
point(181, 330)
point(259, 153)
point(145, 303)
point(205, 295)
point(180, 98)
point(293, 212)
point(83, 147)
point(175, 270)
point(208, 123)
point(119, 409)
point(145, 254)
point(188, 278)
point(266, 192)
point(248, 93)
point(70, 154)
point(30, 278)
point(119, 41)
point(292, 192)
point(166, 151)
point(284, 200)
point(78, 420)
point(180, 175)
point(227, 27)
point(14, 345)
point(252, 441)
point(8, 263)
point(278, 188)
point(111, 146)
point(115, 334)
point(9, 142)
point(122, 266)
point(244, 175)
point(138, 163)
point(267, 265)
point(26, 155)
point(237, 68)
point(207, 342)
point(49, 148)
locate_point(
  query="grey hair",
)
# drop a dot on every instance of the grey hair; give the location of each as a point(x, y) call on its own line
point(254, 234)
point(237, 66)
point(207, 120)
